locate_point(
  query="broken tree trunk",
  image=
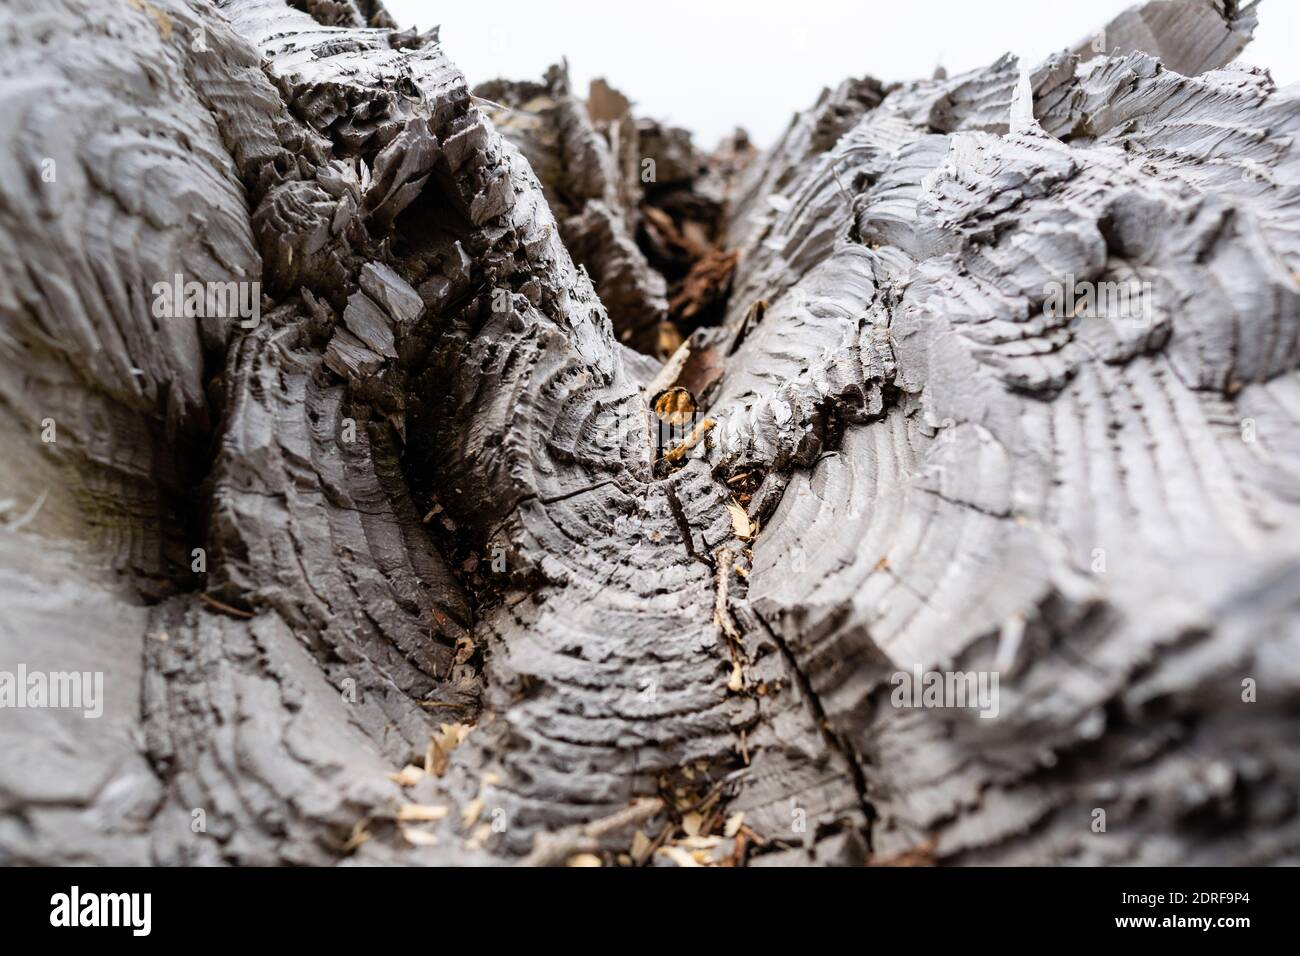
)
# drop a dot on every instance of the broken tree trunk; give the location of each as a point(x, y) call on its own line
point(390, 488)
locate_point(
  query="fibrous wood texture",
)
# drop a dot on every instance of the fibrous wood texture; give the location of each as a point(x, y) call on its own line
point(416, 510)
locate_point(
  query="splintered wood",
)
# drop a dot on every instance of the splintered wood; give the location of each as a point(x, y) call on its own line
point(523, 483)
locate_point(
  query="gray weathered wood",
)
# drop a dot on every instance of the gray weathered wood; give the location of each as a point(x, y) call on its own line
point(428, 492)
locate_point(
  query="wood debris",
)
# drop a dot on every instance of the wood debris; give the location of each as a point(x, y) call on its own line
point(740, 522)
point(408, 776)
point(441, 744)
point(418, 837)
point(421, 812)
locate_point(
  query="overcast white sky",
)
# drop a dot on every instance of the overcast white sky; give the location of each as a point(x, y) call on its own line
point(711, 65)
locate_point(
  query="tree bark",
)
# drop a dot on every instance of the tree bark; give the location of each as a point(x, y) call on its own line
point(422, 510)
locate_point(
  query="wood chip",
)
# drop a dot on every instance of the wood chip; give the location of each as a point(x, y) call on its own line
point(421, 812)
point(736, 683)
point(417, 837)
point(408, 776)
point(464, 649)
point(678, 856)
point(359, 835)
point(641, 847)
point(438, 753)
point(471, 811)
point(740, 523)
point(700, 842)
